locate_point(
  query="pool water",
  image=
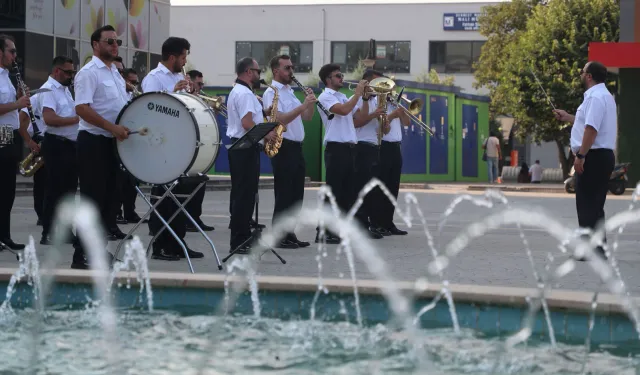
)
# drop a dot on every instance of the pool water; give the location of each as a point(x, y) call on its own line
point(168, 342)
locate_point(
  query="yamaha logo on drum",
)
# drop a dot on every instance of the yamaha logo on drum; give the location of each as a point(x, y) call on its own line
point(164, 109)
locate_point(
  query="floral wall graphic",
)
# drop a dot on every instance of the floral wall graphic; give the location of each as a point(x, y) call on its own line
point(158, 25)
point(117, 14)
point(92, 17)
point(138, 23)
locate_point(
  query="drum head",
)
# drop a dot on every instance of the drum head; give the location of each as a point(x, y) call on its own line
point(169, 147)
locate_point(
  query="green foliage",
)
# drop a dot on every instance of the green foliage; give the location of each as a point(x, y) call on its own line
point(268, 76)
point(433, 77)
point(313, 80)
point(548, 39)
point(356, 74)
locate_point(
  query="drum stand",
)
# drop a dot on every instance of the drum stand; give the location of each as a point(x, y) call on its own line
point(202, 179)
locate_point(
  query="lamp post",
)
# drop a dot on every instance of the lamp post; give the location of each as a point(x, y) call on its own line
point(370, 61)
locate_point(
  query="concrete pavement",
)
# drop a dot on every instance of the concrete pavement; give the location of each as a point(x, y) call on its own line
point(497, 258)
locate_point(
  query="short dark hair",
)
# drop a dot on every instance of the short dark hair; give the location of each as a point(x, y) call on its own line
point(598, 71)
point(96, 35)
point(537, 161)
point(118, 59)
point(193, 74)
point(275, 61)
point(326, 71)
point(129, 71)
point(243, 64)
point(174, 46)
point(3, 40)
point(60, 60)
point(369, 73)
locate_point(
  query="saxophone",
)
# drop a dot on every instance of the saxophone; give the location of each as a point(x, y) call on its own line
point(382, 119)
point(271, 148)
point(34, 161)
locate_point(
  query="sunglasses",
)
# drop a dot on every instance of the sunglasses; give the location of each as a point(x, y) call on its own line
point(135, 83)
point(256, 70)
point(288, 67)
point(110, 41)
point(338, 75)
point(72, 71)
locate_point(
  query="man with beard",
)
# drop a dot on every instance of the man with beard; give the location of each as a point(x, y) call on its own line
point(9, 153)
point(59, 145)
point(593, 140)
point(245, 112)
point(168, 77)
point(288, 164)
point(100, 96)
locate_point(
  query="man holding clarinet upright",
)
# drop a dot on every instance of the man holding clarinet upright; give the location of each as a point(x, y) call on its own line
point(288, 164)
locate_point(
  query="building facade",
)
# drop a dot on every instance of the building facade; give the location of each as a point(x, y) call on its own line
point(44, 29)
point(410, 39)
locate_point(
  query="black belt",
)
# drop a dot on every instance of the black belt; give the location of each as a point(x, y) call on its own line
point(58, 137)
point(368, 144)
point(344, 144)
point(392, 142)
point(292, 143)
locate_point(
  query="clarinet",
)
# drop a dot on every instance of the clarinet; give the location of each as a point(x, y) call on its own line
point(322, 108)
point(23, 87)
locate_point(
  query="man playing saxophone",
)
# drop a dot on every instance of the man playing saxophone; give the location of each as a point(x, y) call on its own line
point(33, 138)
point(10, 104)
point(245, 112)
point(60, 135)
point(367, 122)
point(288, 164)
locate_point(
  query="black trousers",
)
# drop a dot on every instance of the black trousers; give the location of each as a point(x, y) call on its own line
point(166, 209)
point(288, 176)
point(9, 156)
point(61, 181)
point(244, 166)
point(340, 167)
point(592, 186)
point(39, 184)
point(367, 164)
point(97, 168)
point(125, 204)
point(194, 207)
point(389, 172)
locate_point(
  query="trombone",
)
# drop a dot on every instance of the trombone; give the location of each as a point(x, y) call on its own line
point(415, 106)
point(216, 102)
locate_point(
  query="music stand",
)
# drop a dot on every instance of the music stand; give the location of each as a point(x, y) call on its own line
point(251, 139)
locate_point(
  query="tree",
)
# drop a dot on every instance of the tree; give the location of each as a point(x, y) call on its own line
point(548, 53)
point(433, 77)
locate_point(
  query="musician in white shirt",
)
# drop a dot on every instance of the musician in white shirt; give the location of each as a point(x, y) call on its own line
point(33, 137)
point(288, 164)
point(245, 112)
point(100, 96)
point(10, 104)
point(168, 77)
point(60, 136)
point(367, 123)
point(340, 140)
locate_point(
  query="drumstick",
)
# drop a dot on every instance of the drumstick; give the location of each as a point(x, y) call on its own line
point(142, 131)
point(541, 88)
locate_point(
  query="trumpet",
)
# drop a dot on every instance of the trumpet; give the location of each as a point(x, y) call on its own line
point(133, 88)
point(186, 77)
point(415, 106)
point(216, 102)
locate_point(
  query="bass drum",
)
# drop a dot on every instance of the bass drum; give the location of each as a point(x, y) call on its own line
point(182, 137)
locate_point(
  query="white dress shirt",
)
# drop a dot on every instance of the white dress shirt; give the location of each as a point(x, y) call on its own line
point(104, 89)
point(598, 109)
point(368, 132)
point(59, 99)
point(395, 134)
point(8, 95)
point(287, 102)
point(340, 128)
point(241, 101)
point(36, 108)
point(161, 79)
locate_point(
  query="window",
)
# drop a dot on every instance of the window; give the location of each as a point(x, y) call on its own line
point(391, 57)
point(454, 57)
point(301, 53)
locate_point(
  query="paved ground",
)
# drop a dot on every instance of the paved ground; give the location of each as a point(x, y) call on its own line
point(498, 258)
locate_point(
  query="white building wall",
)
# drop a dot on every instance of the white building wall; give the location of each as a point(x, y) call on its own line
point(214, 30)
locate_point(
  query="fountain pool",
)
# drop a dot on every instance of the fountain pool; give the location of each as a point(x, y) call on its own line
point(181, 332)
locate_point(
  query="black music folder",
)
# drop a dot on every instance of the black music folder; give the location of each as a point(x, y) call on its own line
point(253, 136)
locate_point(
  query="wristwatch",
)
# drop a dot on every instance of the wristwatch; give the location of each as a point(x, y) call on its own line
point(365, 99)
point(579, 156)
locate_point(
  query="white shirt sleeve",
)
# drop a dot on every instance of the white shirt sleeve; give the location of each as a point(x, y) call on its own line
point(594, 112)
point(85, 85)
point(267, 98)
point(49, 101)
point(246, 105)
point(328, 101)
point(151, 83)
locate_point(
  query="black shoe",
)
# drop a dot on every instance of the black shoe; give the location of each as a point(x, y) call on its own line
point(121, 220)
point(374, 234)
point(45, 240)
point(255, 225)
point(134, 218)
point(397, 232)
point(287, 244)
point(116, 234)
point(82, 264)
point(163, 254)
point(203, 226)
point(8, 242)
point(295, 240)
point(39, 222)
point(192, 253)
point(329, 239)
point(242, 250)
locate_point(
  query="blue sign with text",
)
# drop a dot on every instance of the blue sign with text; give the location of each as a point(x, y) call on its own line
point(461, 22)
